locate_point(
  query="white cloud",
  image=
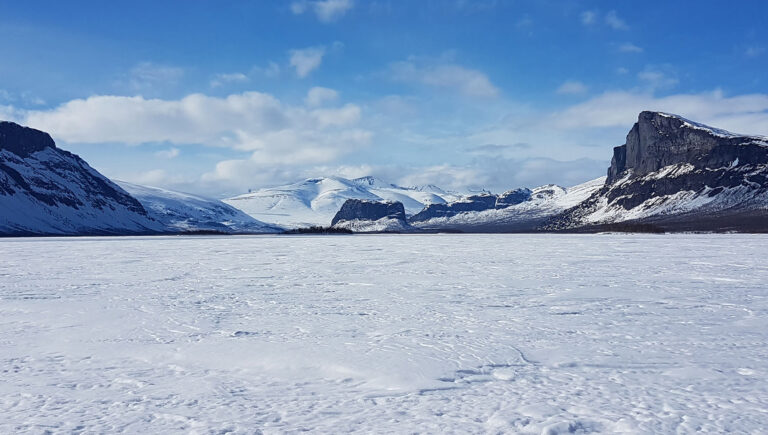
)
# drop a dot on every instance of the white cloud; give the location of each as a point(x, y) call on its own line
point(318, 96)
point(154, 177)
point(466, 81)
point(250, 121)
point(148, 75)
point(274, 137)
point(327, 11)
point(754, 51)
point(223, 79)
point(613, 21)
point(572, 87)
point(628, 47)
point(170, 153)
point(588, 17)
point(272, 70)
point(743, 113)
point(656, 78)
point(306, 60)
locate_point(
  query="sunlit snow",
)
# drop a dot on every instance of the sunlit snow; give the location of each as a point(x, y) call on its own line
point(385, 333)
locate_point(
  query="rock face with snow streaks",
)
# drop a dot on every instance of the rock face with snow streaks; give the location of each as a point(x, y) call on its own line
point(681, 175)
point(368, 216)
point(45, 190)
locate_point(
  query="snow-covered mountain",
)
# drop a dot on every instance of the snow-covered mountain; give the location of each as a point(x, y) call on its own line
point(184, 212)
point(676, 174)
point(45, 190)
point(528, 213)
point(315, 201)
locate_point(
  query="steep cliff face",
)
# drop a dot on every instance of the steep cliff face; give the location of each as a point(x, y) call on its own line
point(46, 190)
point(659, 140)
point(679, 174)
point(362, 216)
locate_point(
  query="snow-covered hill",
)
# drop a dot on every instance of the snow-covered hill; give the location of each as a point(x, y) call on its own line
point(45, 190)
point(185, 212)
point(316, 200)
point(544, 203)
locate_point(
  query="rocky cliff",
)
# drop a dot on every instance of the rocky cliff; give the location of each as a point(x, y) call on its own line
point(658, 140)
point(46, 190)
point(680, 175)
point(363, 216)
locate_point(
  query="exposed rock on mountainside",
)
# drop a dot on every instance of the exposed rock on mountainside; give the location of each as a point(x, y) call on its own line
point(681, 175)
point(532, 214)
point(45, 190)
point(484, 201)
point(362, 216)
point(513, 197)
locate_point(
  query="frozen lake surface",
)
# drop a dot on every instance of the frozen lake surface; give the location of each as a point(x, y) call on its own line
point(427, 333)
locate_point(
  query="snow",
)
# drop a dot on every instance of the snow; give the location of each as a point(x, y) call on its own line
point(57, 174)
point(760, 140)
point(316, 200)
point(703, 201)
point(546, 201)
point(186, 212)
point(388, 333)
point(385, 224)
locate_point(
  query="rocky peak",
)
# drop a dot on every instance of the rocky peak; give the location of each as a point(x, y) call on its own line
point(360, 209)
point(660, 139)
point(23, 141)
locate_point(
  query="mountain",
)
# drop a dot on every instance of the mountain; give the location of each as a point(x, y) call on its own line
point(520, 210)
point(45, 190)
point(315, 201)
point(184, 212)
point(678, 175)
point(361, 215)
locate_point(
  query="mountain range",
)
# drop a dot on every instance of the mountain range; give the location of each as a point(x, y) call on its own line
point(671, 174)
point(315, 201)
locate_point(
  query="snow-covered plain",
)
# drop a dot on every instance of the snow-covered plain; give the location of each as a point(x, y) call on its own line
point(385, 333)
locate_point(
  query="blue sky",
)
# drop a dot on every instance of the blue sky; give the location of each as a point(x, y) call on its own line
point(219, 97)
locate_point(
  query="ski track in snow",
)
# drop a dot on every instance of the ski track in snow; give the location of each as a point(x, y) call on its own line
point(385, 333)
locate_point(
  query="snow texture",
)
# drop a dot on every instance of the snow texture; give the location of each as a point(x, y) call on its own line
point(186, 212)
point(378, 334)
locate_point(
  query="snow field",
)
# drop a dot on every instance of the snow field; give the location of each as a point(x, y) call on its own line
point(385, 333)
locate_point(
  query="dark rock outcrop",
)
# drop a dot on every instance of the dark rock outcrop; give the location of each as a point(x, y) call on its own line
point(513, 197)
point(23, 141)
point(46, 190)
point(481, 202)
point(363, 210)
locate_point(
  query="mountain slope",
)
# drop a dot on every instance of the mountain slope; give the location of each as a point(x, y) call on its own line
point(315, 201)
point(539, 207)
point(681, 175)
point(183, 212)
point(45, 190)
